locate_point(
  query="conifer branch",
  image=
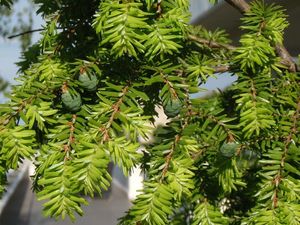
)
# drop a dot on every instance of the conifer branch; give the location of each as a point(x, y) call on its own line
point(175, 142)
point(171, 87)
point(216, 143)
point(282, 52)
point(169, 157)
point(221, 69)
point(22, 105)
point(229, 132)
point(116, 108)
point(286, 59)
point(288, 140)
point(210, 43)
point(67, 147)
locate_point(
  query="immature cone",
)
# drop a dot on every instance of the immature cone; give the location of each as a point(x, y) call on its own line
point(229, 149)
point(88, 81)
point(71, 100)
point(173, 107)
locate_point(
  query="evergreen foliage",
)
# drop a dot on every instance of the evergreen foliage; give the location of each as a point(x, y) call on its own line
point(88, 91)
point(3, 84)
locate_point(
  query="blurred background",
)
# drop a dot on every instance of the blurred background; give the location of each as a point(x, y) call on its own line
point(19, 205)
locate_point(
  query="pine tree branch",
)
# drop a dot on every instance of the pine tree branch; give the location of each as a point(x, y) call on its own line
point(211, 44)
point(7, 117)
point(288, 140)
point(242, 6)
point(177, 138)
point(216, 120)
point(169, 157)
point(116, 108)
point(3, 84)
point(286, 59)
point(67, 147)
point(171, 87)
point(293, 131)
point(284, 54)
point(214, 44)
point(221, 69)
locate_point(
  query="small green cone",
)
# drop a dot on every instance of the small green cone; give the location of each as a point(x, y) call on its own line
point(173, 107)
point(229, 149)
point(89, 81)
point(71, 101)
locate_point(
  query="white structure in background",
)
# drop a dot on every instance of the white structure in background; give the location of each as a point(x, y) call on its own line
point(135, 180)
point(198, 8)
point(14, 177)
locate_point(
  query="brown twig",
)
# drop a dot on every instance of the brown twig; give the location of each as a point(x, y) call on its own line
point(282, 52)
point(67, 147)
point(211, 44)
point(241, 5)
point(221, 69)
point(116, 108)
point(169, 157)
point(171, 88)
point(26, 32)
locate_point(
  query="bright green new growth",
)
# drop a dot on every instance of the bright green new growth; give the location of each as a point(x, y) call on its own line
point(89, 92)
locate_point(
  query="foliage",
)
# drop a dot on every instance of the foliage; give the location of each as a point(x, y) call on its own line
point(88, 92)
point(3, 84)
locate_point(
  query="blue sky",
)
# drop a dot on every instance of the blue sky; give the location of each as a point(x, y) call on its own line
point(9, 53)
